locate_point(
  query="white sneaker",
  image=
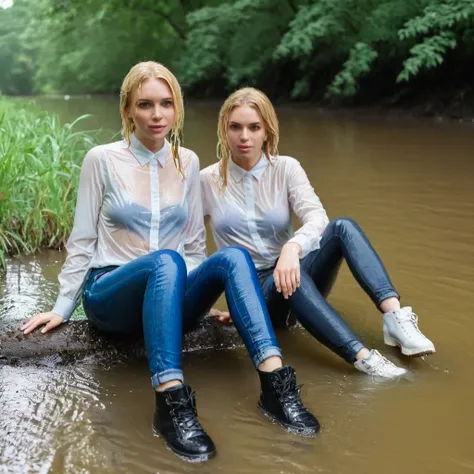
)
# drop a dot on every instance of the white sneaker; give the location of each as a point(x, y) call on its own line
point(375, 364)
point(400, 328)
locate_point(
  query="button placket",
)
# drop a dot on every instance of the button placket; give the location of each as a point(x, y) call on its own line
point(251, 217)
point(155, 206)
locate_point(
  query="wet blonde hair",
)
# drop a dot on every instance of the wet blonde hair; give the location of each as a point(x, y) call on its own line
point(246, 97)
point(133, 81)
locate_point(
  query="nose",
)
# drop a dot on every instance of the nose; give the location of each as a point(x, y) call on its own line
point(156, 115)
point(244, 136)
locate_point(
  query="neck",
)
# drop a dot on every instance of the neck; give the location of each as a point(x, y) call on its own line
point(153, 145)
point(246, 163)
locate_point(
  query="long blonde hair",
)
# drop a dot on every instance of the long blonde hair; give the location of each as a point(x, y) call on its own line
point(133, 80)
point(246, 97)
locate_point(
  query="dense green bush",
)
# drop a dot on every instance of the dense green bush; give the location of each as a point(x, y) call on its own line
point(40, 161)
point(294, 48)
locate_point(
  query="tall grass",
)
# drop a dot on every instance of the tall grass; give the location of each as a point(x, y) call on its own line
point(40, 161)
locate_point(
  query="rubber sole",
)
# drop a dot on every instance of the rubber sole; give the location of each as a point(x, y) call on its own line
point(184, 456)
point(306, 432)
point(390, 341)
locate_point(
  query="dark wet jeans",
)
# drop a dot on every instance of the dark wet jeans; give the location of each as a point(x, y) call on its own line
point(342, 239)
point(153, 292)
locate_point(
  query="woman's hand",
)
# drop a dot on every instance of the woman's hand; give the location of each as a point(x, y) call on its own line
point(50, 319)
point(287, 271)
point(222, 316)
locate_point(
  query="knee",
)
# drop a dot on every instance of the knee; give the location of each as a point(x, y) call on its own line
point(344, 224)
point(235, 256)
point(167, 260)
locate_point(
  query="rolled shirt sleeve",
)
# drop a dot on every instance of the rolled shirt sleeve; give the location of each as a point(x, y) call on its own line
point(82, 242)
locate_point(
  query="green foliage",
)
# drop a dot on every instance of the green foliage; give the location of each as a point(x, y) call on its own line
point(360, 60)
point(428, 54)
point(442, 26)
point(234, 41)
point(39, 170)
point(17, 54)
point(290, 47)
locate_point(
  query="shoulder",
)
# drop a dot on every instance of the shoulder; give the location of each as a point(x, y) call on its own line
point(210, 172)
point(189, 159)
point(188, 156)
point(288, 166)
point(285, 162)
point(100, 152)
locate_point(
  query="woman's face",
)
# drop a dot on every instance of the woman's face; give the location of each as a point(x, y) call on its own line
point(152, 110)
point(245, 134)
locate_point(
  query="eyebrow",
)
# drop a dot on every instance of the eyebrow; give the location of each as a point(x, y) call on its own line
point(238, 123)
point(144, 99)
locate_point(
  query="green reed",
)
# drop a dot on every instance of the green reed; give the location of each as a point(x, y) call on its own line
point(40, 161)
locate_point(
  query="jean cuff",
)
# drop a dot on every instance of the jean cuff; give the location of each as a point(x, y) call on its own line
point(166, 376)
point(265, 353)
point(349, 351)
point(386, 295)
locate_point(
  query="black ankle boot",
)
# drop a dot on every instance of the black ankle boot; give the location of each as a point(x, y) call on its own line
point(280, 400)
point(176, 420)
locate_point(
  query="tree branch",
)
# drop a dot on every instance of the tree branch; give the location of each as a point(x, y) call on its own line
point(132, 5)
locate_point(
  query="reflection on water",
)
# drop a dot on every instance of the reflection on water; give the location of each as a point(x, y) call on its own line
point(409, 184)
point(29, 284)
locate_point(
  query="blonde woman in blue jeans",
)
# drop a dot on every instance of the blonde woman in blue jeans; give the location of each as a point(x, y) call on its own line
point(248, 196)
point(136, 256)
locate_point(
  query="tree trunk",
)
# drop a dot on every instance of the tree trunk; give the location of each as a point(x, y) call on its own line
point(77, 339)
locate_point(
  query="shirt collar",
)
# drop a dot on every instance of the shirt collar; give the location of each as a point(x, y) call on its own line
point(144, 155)
point(239, 173)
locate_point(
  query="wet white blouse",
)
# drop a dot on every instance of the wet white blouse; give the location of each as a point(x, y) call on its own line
point(131, 202)
point(254, 210)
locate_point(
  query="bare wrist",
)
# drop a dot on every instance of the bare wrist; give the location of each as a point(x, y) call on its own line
point(295, 247)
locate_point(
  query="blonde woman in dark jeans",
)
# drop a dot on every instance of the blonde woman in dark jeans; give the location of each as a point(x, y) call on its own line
point(248, 197)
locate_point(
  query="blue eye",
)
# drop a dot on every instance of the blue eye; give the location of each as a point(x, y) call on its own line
point(167, 103)
point(143, 105)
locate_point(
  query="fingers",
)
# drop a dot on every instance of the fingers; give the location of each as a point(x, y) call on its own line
point(222, 316)
point(225, 318)
point(50, 325)
point(281, 283)
point(276, 279)
point(293, 285)
point(285, 284)
point(33, 323)
point(287, 281)
point(50, 320)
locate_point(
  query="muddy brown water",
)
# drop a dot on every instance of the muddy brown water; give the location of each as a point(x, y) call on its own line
point(409, 183)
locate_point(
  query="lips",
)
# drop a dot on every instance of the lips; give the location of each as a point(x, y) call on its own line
point(244, 148)
point(157, 128)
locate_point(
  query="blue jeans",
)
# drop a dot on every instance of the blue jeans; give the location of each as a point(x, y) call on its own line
point(342, 239)
point(153, 293)
point(147, 293)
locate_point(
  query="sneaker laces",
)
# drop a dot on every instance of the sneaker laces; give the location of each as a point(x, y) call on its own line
point(184, 410)
point(382, 364)
point(410, 322)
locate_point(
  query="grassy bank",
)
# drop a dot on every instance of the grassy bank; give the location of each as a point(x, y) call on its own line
point(40, 161)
